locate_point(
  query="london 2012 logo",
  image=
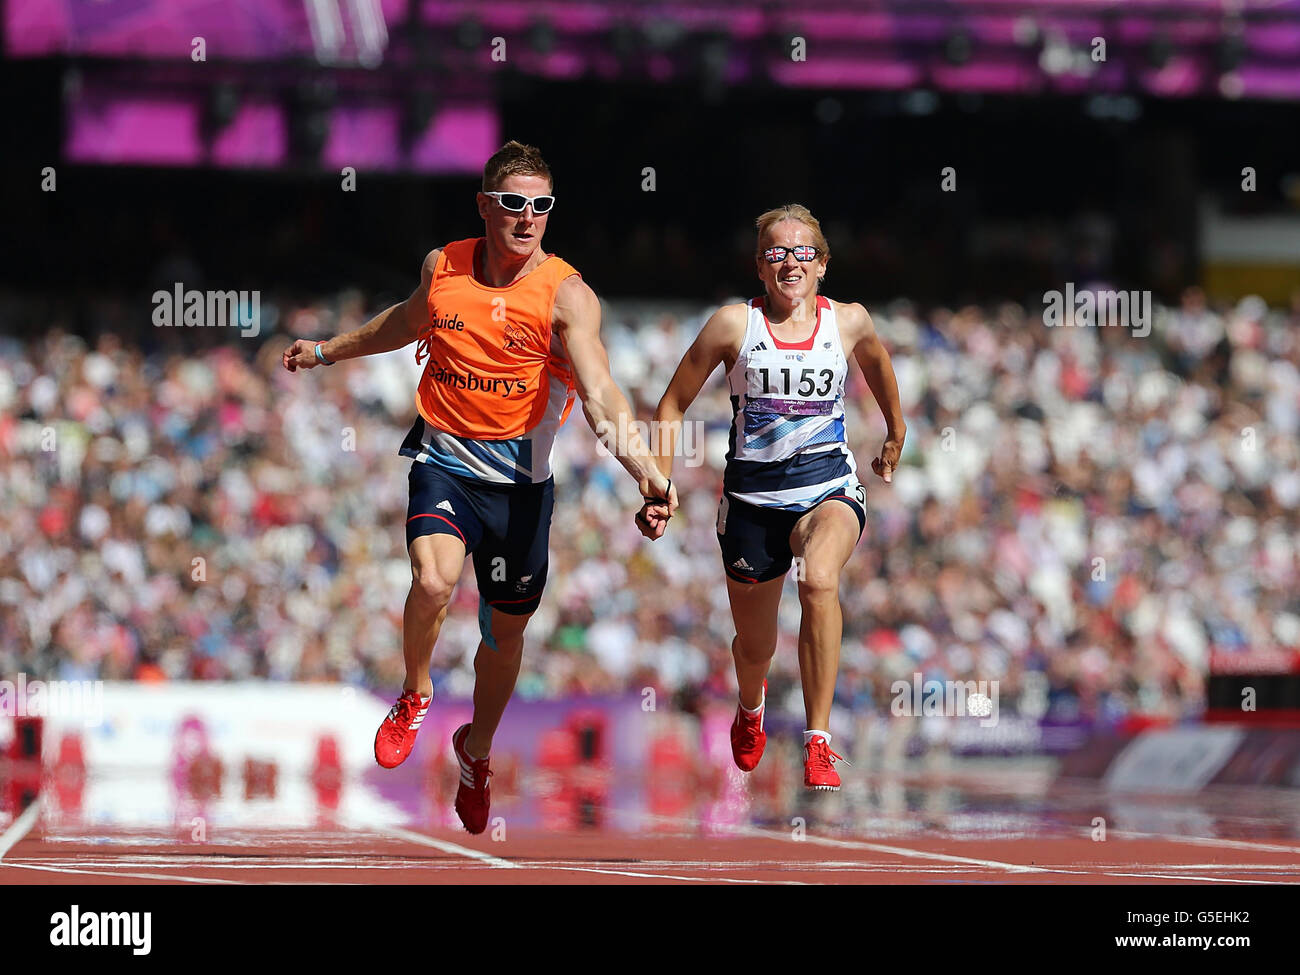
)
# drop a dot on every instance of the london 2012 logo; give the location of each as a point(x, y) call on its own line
point(514, 336)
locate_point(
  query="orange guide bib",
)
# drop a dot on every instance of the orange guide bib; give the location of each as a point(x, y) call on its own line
point(495, 370)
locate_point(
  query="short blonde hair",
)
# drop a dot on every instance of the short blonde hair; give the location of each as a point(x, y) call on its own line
point(793, 211)
point(515, 159)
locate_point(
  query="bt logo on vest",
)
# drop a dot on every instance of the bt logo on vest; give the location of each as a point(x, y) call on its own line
point(454, 323)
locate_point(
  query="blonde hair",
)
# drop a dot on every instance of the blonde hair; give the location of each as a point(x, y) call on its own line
point(793, 211)
point(515, 159)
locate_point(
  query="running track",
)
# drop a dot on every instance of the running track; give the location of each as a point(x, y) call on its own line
point(678, 853)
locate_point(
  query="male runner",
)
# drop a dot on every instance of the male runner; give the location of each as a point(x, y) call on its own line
point(510, 331)
point(790, 487)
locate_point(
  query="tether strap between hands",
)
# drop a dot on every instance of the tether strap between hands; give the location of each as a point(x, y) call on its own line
point(663, 500)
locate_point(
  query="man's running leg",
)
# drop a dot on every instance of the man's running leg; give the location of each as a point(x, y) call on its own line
point(436, 563)
point(435, 567)
point(441, 527)
point(496, 668)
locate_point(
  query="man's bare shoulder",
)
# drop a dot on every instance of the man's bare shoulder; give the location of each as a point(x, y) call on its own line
point(574, 301)
point(574, 289)
point(575, 293)
point(430, 263)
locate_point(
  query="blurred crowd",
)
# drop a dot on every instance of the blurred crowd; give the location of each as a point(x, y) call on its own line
point(1082, 515)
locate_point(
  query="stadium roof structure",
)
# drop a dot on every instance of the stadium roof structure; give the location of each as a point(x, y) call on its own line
point(1170, 48)
point(417, 83)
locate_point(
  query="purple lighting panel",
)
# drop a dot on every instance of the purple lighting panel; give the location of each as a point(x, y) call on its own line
point(851, 44)
point(134, 129)
point(238, 29)
point(256, 137)
point(459, 140)
point(365, 138)
point(125, 128)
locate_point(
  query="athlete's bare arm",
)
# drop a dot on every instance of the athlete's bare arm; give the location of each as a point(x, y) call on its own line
point(391, 329)
point(576, 319)
point(718, 341)
point(858, 333)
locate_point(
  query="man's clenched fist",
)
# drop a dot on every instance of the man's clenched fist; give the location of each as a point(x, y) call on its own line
point(301, 353)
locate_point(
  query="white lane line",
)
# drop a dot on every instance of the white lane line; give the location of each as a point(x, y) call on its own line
point(446, 847)
point(1170, 871)
point(1209, 841)
point(899, 851)
point(1018, 868)
point(1021, 868)
point(666, 876)
point(1015, 867)
point(1184, 876)
point(903, 851)
point(498, 862)
point(228, 863)
point(188, 864)
point(172, 877)
point(1204, 866)
point(19, 828)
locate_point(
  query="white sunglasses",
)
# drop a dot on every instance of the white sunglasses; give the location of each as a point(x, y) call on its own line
point(516, 202)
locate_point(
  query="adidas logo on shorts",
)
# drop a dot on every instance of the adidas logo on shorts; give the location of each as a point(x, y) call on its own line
point(445, 506)
point(742, 564)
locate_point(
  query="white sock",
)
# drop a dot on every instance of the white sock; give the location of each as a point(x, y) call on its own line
point(761, 704)
point(814, 733)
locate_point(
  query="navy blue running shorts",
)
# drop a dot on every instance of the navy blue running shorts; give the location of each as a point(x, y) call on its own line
point(755, 541)
point(505, 527)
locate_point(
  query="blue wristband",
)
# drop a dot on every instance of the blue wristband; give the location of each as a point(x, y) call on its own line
point(321, 356)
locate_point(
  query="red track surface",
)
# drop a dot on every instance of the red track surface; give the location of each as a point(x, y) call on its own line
point(397, 856)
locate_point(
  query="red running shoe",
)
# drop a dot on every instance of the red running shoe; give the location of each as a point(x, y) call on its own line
point(396, 736)
point(819, 766)
point(748, 737)
point(473, 797)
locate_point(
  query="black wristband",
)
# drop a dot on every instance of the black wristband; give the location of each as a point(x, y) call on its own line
point(663, 500)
